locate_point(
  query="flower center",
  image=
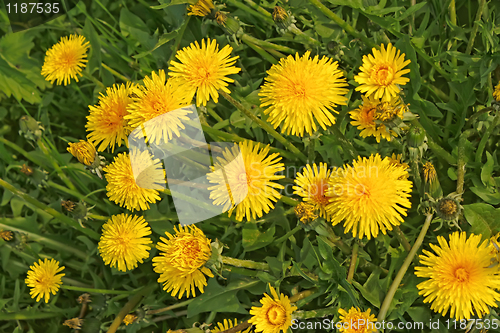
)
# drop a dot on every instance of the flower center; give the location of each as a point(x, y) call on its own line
point(367, 115)
point(448, 207)
point(462, 275)
point(299, 91)
point(317, 191)
point(276, 315)
point(383, 74)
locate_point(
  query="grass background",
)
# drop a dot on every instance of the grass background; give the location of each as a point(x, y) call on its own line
point(454, 51)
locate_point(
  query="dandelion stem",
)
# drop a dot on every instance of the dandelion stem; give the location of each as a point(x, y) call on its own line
point(98, 291)
point(461, 159)
point(289, 201)
point(130, 305)
point(475, 28)
point(402, 239)
point(245, 263)
point(63, 218)
point(268, 128)
point(343, 24)
point(115, 73)
point(43, 147)
point(288, 235)
point(402, 271)
point(314, 313)
point(263, 53)
point(352, 265)
point(247, 9)
point(170, 307)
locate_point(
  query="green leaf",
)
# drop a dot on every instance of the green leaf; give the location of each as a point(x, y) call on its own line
point(411, 10)
point(219, 299)
point(488, 195)
point(253, 239)
point(484, 219)
point(371, 290)
point(487, 170)
point(95, 51)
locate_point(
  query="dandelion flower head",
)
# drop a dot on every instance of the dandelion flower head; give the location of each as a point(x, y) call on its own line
point(123, 241)
point(312, 185)
point(459, 277)
point(300, 91)
point(274, 315)
point(181, 261)
point(123, 182)
point(159, 106)
point(370, 196)
point(365, 118)
point(244, 176)
point(356, 321)
point(382, 73)
point(204, 70)
point(65, 60)
point(106, 122)
point(84, 152)
point(227, 324)
point(43, 279)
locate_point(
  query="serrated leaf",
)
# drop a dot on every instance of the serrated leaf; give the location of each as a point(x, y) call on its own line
point(253, 239)
point(371, 290)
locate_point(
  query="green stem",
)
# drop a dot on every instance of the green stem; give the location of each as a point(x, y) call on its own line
point(402, 271)
point(259, 9)
point(170, 307)
point(61, 217)
point(310, 151)
point(289, 201)
point(299, 32)
point(99, 291)
point(287, 235)
point(475, 28)
point(268, 128)
point(62, 175)
point(315, 313)
point(485, 137)
point(245, 263)
point(77, 195)
point(28, 315)
point(352, 265)
point(461, 159)
point(178, 40)
point(21, 151)
point(263, 53)
point(241, 271)
point(402, 239)
point(93, 79)
point(115, 73)
point(343, 24)
point(260, 16)
point(134, 301)
point(267, 45)
point(449, 114)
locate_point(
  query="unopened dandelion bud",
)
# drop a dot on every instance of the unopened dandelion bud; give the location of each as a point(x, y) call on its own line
point(432, 185)
point(86, 154)
point(30, 128)
point(416, 137)
point(231, 25)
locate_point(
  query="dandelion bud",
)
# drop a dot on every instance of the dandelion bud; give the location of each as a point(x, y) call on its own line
point(30, 128)
point(432, 185)
point(416, 137)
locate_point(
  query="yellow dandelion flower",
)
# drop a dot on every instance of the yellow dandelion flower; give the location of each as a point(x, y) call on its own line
point(181, 261)
point(312, 185)
point(430, 174)
point(134, 187)
point(459, 277)
point(84, 152)
point(382, 73)
point(246, 180)
point(365, 116)
point(397, 161)
point(65, 60)
point(227, 324)
point(300, 92)
point(154, 105)
point(203, 71)
point(201, 8)
point(106, 122)
point(496, 92)
point(43, 279)
point(369, 196)
point(6, 235)
point(305, 212)
point(356, 321)
point(74, 323)
point(123, 241)
point(129, 319)
point(274, 315)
